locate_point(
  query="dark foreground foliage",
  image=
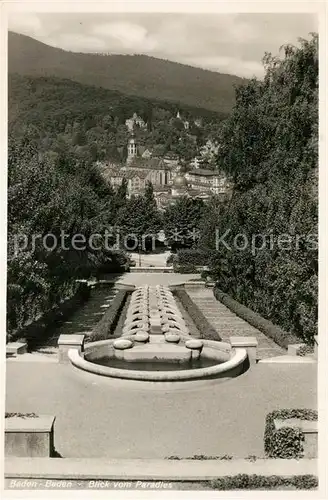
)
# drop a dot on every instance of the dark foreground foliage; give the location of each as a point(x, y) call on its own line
point(286, 442)
point(256, 482)
point(269, 148)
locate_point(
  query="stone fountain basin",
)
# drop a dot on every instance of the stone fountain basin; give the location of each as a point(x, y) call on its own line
point(230, 362)
point(157, 352)
point(157, 349)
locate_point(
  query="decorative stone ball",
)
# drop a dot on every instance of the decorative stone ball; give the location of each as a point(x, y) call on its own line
point(145, 318)
point(194, 344)
point(173, 313)
point(175, 317)
point(122, 344)
point(136, 309)
point(172, 338)
point(141, 336)
point(169, 305)
point(173, 323)
point(138, 302)
point(132, 328)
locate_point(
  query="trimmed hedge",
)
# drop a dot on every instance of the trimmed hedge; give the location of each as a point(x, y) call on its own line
point(286, 442)
point(256, 482)
point(200, 457)
point(305, 350)
point(192, 257)
point(106, 326)
point(206, 330)
point(184, 269)
point(189, 260)
point(281, 337)
point(21, 415)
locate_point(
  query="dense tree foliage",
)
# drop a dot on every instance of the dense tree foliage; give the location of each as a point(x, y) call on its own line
point(63, 115)
point(50, 201)
point(262, 241)
point(269, 147)
point(138, 221)
point(182, 222)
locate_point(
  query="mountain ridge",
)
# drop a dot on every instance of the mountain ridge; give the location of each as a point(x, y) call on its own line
point(137, 75)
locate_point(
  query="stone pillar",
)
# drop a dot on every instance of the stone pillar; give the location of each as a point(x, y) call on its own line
point(29, 436)
point(67, 342)
point(196, 347)
point(248, 343)
point(15, 348)
point(293, 349)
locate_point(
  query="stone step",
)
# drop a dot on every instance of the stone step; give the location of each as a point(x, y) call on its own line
point(228, 324)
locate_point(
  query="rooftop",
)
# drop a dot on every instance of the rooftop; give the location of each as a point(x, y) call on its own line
point(204, 172)
point(149, 163)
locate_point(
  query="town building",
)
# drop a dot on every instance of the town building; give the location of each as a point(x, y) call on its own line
point(135, 120)
point(164, 174)
point(171, 159)
point(158, 172)
point(134, 150)
point(210, 180)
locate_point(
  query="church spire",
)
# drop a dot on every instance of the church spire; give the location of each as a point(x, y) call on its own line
point(132, 148)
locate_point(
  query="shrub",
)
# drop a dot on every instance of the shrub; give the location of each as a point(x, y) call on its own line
point(286, 442)
point(280, 336)
point(170, 259)
point(116, 262)
point(206, 330)
point(305, 350)
point(192, 257)
point(254, 482)
point(200, 457)
point(184, 269)
point(188, 260)
point(21, 415)
point(106, 326)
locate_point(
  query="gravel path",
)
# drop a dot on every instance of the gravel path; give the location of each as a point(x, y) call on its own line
point(99, 417)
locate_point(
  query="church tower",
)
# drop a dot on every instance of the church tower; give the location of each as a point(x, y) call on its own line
point(132, 149)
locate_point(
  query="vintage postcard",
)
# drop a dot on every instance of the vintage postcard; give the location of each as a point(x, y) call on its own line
point(160, 265)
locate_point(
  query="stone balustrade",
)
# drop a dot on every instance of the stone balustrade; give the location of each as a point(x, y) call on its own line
point(249, 343)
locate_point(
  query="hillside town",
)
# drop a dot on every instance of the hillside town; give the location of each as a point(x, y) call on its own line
point(165, 173)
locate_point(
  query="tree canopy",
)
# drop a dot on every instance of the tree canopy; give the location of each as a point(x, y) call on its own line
point(269, 147)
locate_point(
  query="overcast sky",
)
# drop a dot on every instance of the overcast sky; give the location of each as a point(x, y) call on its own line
point(228, 43)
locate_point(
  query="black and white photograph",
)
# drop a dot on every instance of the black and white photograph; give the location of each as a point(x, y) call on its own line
point(161, 178)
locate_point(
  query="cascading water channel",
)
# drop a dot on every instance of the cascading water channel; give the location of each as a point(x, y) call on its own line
point(156, 345)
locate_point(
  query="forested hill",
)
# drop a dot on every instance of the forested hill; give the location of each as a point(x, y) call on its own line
point(59, 114)
point(134, 75)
